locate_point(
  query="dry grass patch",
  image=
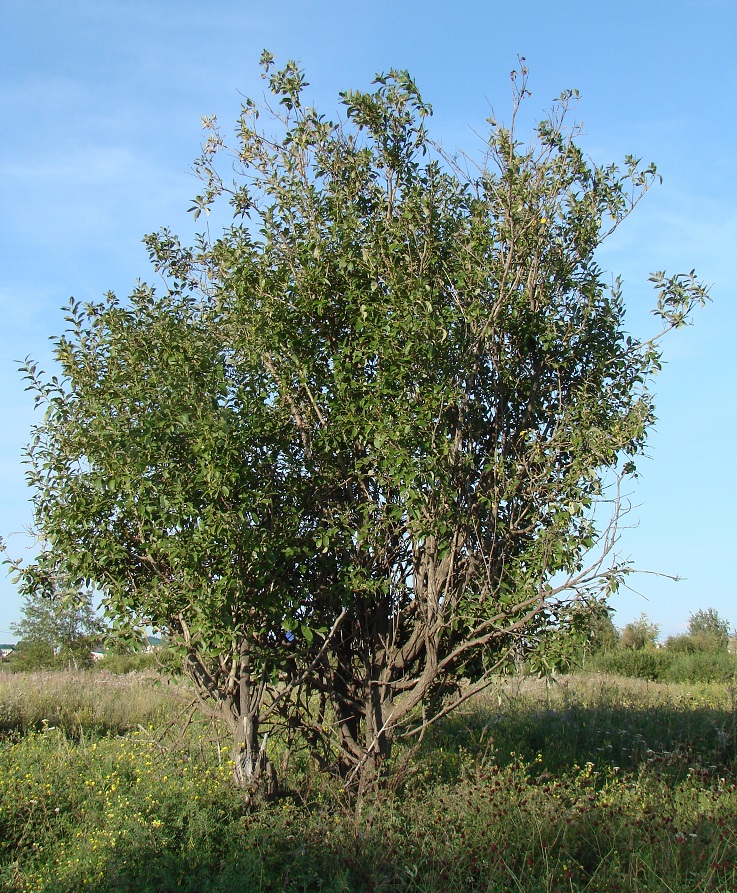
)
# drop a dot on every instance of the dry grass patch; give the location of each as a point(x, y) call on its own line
point(83, 700)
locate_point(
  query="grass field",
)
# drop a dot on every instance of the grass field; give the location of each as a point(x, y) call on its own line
point(592, 784)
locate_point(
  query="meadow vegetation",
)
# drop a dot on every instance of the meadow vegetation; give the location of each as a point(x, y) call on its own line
point(589, 783)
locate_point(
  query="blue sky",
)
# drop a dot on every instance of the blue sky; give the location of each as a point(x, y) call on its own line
point(101, 103)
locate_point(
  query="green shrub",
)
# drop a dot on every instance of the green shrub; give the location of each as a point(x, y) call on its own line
point(642, 663)
point(702, 666)
point(694, 643)
point(669, 665)
point(30, 656)
point(39, 655)
point(683, 644)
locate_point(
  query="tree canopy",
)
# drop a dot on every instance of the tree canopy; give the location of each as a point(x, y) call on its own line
point(356, 443)
point(709, 628)
point(640, 634)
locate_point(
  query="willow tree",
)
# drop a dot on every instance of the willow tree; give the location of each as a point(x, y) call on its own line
point(353, 451)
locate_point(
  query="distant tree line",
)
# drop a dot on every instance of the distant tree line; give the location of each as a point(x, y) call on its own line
point(65, 630)
point(587, 639)
point(706, 652)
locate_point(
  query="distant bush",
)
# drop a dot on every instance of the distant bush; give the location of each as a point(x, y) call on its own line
point(642, 663)
point(120, 664)
point(683, 644)
point(669, 664)
point(32, 656)
point(696, 643)
point(640, 634)
point(702, 666)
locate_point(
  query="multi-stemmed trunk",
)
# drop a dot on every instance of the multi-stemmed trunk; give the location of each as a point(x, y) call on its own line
point(236, 698)
point(253, 772)
point(252, 769)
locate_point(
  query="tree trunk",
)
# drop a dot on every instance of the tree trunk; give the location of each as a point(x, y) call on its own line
point(378, 743)
point(252, 770)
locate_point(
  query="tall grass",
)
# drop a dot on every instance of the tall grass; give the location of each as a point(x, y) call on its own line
point(594, 784)
point(612, 722)
point(76, 700)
